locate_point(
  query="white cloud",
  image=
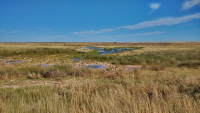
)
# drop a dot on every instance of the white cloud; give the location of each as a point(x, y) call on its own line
point(146, 24)
point(88, 33)
point(190, 24)
point(2, 30)
point(188, 4)
point(141, 34)
point(47, 29)
point(154, 6)
point(163, 21)
point(130, 35)
point(13, 31)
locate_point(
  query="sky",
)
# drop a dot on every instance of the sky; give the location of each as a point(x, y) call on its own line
point(99, 20)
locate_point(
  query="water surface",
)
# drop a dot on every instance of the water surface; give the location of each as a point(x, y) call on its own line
point(77, 59)
point(96, 66)
point(13, 62)
point(104, 51)
point(44, 65)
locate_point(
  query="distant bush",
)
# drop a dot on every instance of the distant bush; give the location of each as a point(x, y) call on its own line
point(52, 74)
point(189, 64)
point(157, 67)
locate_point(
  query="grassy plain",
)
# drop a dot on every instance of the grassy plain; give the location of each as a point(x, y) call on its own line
point(161, 77)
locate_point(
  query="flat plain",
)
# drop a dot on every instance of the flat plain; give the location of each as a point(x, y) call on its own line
point(156, 77)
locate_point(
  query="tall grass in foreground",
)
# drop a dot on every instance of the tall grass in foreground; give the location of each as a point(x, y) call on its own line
point(93, 96)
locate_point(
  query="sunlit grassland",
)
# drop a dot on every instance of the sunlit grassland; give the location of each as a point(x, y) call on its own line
point(169, 92)
point(168, 82)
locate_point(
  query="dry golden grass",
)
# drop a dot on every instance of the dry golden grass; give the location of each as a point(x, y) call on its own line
point(153, 46)
point(77, 95)
point(155, 88)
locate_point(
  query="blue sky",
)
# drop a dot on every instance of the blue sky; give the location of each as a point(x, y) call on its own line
point(99, 20)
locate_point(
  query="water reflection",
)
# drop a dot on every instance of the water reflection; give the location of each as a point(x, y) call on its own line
point(44, 65)
point(77, 59)
point(96, 66)
point(13, 62)
point(104, 51)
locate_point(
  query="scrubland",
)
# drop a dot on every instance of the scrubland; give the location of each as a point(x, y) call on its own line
point(155, 77)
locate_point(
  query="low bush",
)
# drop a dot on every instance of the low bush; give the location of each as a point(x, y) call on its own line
point(158, 67)
point(189, 64)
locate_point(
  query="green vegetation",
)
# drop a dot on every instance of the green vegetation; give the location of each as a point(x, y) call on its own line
point(39, 52)
point(129, 47)
point(181, 58)
point(94, 53)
